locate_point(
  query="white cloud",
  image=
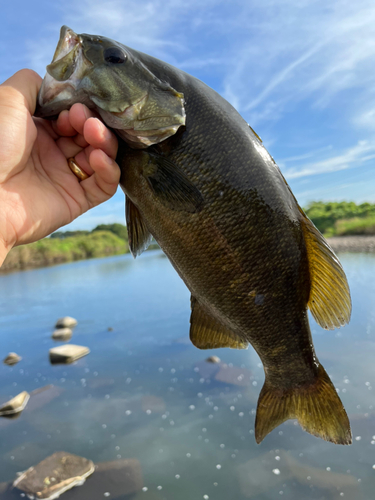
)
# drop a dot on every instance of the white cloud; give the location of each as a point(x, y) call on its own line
point(310, 49)
point(355, 156)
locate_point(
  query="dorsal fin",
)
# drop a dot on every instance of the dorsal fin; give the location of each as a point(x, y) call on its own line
point(207, 332)
point(138, 234)
point(329, 300)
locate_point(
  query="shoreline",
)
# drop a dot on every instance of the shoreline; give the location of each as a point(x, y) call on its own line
point(355, 244)
point(352, 244)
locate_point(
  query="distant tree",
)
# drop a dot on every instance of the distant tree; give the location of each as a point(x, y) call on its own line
point(66, 234)
point(116, 228)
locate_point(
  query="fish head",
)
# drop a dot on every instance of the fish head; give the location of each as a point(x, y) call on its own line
point(109, 77)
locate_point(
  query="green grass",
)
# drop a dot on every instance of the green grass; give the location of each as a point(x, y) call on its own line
point(355, 226)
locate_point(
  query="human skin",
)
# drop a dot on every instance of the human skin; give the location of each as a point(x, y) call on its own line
point(38, 191)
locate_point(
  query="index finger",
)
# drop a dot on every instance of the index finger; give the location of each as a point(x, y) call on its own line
point(70, 123)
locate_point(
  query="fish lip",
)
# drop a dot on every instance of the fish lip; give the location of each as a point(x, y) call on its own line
point(67, 42)
point(54, 91)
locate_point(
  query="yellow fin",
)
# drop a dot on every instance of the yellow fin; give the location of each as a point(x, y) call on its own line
point(207, 332)
point(329, 300)
point(317, 407)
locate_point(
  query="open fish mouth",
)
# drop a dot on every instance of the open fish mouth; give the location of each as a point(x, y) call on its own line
point(64, 74)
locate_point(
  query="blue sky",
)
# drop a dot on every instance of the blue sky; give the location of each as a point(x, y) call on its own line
point(301, 73)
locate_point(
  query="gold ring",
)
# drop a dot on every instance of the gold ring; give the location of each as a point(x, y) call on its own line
point(77, 171)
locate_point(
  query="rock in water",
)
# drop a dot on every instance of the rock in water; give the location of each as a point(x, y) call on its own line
point(12, 359)
point(66, 322)
point(15, 405)
point(213, 359)
point(62, 334)
point(67, 353)
point(54, 475)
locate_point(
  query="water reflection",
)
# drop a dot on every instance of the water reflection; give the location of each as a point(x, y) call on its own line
point(143, 394)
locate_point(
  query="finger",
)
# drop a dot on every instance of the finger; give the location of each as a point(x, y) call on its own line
point(62, 125)
point(71, 146)
point(100, 137)
point(103, 183)
point(25, 85)
point(78, 115)
point(83, 160)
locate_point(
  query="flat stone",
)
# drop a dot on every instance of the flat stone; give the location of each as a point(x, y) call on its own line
point(233, 375)
point(66, 322)
point(54, 475)
point(213, 359)
point(67, 353)
point(62, 334)
point(15, 405)
point(12, 359)
point(118, 478)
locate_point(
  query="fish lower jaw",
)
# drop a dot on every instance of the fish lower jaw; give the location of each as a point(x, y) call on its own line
point(56, 93)
point(143, 139)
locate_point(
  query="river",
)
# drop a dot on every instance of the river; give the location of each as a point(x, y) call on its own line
point(145, 393)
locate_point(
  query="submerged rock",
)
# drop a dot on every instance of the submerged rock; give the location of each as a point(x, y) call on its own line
point(213, 359)
point(67, 353)
point(66, 322)
point(119, 478)
point(54, 475)
point(233, 375)
point(273, 469)
point(62, 334)
point(153, 404)
point(15, 405)
point(206, 370)
point(12, 359)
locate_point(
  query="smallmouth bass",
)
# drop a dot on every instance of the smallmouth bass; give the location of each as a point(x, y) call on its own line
point(198, 179)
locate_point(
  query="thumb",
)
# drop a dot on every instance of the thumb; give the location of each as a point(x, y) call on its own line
point(25, 84)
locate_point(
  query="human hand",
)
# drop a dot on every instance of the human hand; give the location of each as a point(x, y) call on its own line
point(38, 191)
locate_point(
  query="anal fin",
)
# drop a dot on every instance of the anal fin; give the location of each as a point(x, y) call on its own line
point(206, 332)
point(138, 234)
point(329, 300)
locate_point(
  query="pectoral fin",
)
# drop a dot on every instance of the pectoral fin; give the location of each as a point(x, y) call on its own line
point(138, 234)
point(329, 300)
point(172, 187)
point(207, 332)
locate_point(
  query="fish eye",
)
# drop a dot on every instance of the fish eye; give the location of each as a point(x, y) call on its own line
point(114, 55)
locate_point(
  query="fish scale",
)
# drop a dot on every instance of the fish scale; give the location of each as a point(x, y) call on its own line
point(202, 184)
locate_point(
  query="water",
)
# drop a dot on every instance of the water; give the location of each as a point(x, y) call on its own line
point(146, 393)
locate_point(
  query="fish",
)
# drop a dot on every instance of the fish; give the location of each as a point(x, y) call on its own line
point(198, 179)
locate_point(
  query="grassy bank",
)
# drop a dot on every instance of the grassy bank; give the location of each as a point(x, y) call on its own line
point(58, 250)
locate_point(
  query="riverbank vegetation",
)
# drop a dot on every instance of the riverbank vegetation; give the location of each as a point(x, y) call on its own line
point(331, 218)
point(342, 218)
point(50, 251)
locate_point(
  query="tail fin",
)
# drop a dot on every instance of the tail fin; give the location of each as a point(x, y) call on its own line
point(317, 407)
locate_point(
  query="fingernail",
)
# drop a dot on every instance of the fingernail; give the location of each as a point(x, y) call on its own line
point(86, 111)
